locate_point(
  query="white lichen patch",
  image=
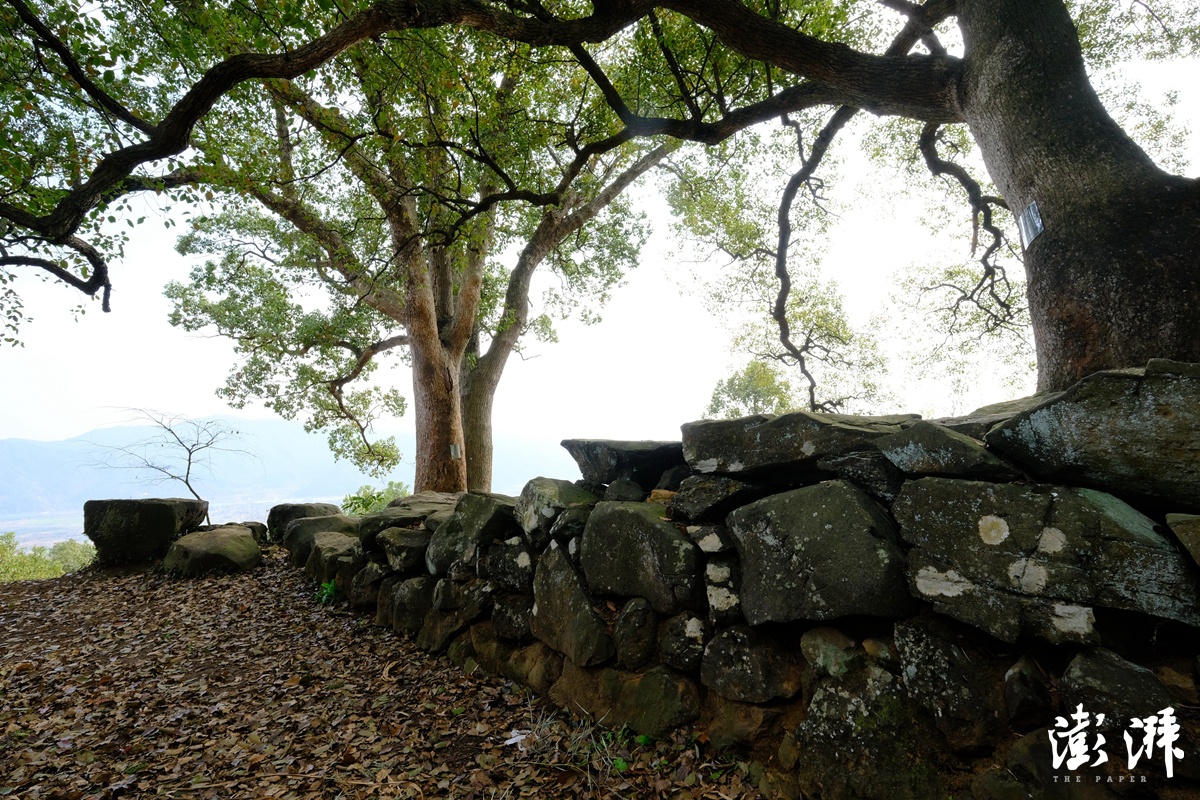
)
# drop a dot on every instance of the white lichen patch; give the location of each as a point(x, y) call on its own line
point(693, 628)
point(721, 599)
point(523, 560)
point(710, 543)
point(717, 573)
point(992, 529)
point(513, 542)
point(1078, 620)
point(950, 583)
point(1051, 540)
point(736, 466)
point(707, 465)
point(1028, 576)
point(808, 448)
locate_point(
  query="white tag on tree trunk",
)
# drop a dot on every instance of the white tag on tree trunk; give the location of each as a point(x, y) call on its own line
point(1030, 225)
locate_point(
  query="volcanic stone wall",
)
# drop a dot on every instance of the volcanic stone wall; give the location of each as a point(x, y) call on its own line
point(877, 607)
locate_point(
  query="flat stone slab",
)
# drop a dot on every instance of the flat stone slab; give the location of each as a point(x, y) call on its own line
point(1134, 433)
point(603, 461)
point(1013, 559)
point(139, 531)
point(761, 444)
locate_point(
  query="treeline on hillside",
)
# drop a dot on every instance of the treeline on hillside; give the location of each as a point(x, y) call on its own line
point(42, 562)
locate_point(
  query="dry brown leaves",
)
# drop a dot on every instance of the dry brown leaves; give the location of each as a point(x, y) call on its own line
point(132, 685)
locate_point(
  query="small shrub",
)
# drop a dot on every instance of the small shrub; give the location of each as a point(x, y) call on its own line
point(368, 498)
point(326, 593)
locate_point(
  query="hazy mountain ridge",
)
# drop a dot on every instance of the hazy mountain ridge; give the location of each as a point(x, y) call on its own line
point(43, 485)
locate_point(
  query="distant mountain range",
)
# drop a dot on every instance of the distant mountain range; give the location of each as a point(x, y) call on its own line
point(43, 485)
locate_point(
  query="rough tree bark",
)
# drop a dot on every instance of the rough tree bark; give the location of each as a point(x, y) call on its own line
point(1112, 280)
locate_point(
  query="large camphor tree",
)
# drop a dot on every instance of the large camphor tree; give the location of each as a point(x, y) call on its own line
point(400, 201)
point(1109, 237)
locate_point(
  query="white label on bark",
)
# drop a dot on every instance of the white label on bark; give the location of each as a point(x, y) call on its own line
point(1030, 225)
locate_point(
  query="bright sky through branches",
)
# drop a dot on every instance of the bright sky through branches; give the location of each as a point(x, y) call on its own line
point(648, 367)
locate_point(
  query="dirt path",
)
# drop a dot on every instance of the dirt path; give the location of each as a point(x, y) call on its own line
point(134, 685)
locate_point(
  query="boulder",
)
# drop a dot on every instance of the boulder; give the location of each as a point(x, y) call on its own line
point(864, 737)
point(486, 517)
point(364, 588)
point(829, 652)
point(625, 490)
point(673, 477)
point(924, 449)
point(868, 469)
point(510, 565)
point(422, 504)
point(629, 550)
point(226, 549)
point(449, 546)
point(635, 634)
point(385, 599)
point(139, 531)
point(542, 501)
point(818, 553)
point(771, 445)
point(334, 556)
point(981, 420)
point(1129, 432)
point(453, 607)
point(404, 548)
point(710, 498)
point(1013, 559)
point(1186, 528)
point(570, 523)
point(681, 641)
point(1027, 695)
point(651, 702)
point(749, 666)
point(950, 677)
point(411, 601)
point(655, 702)
point(535, 665)
point(563, 616)
point(299, 533)
point(729, 724)
point(603, 461)
point(461, 540)
point(423, 510)
point(280, 515)
point(512, 615)
point(1104, 683)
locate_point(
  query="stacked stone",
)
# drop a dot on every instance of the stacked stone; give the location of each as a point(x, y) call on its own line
point(901, 608)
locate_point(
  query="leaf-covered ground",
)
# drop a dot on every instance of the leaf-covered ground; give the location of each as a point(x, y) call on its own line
point(136, 685)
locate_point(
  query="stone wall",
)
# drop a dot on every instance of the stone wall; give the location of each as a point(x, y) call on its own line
point(878, 607)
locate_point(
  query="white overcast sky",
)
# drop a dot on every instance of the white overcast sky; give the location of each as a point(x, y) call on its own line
point(650, 366)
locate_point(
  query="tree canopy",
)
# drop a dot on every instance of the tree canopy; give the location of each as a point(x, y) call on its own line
point(1107, 235)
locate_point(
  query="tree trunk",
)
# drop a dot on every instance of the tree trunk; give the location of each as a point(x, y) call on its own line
point(477, 427)
point(1112, 279)
point(437, 408)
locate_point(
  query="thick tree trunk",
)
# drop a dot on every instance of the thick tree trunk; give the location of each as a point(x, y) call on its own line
point(477, 427)
point(437, 409)
point(1112, 279)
